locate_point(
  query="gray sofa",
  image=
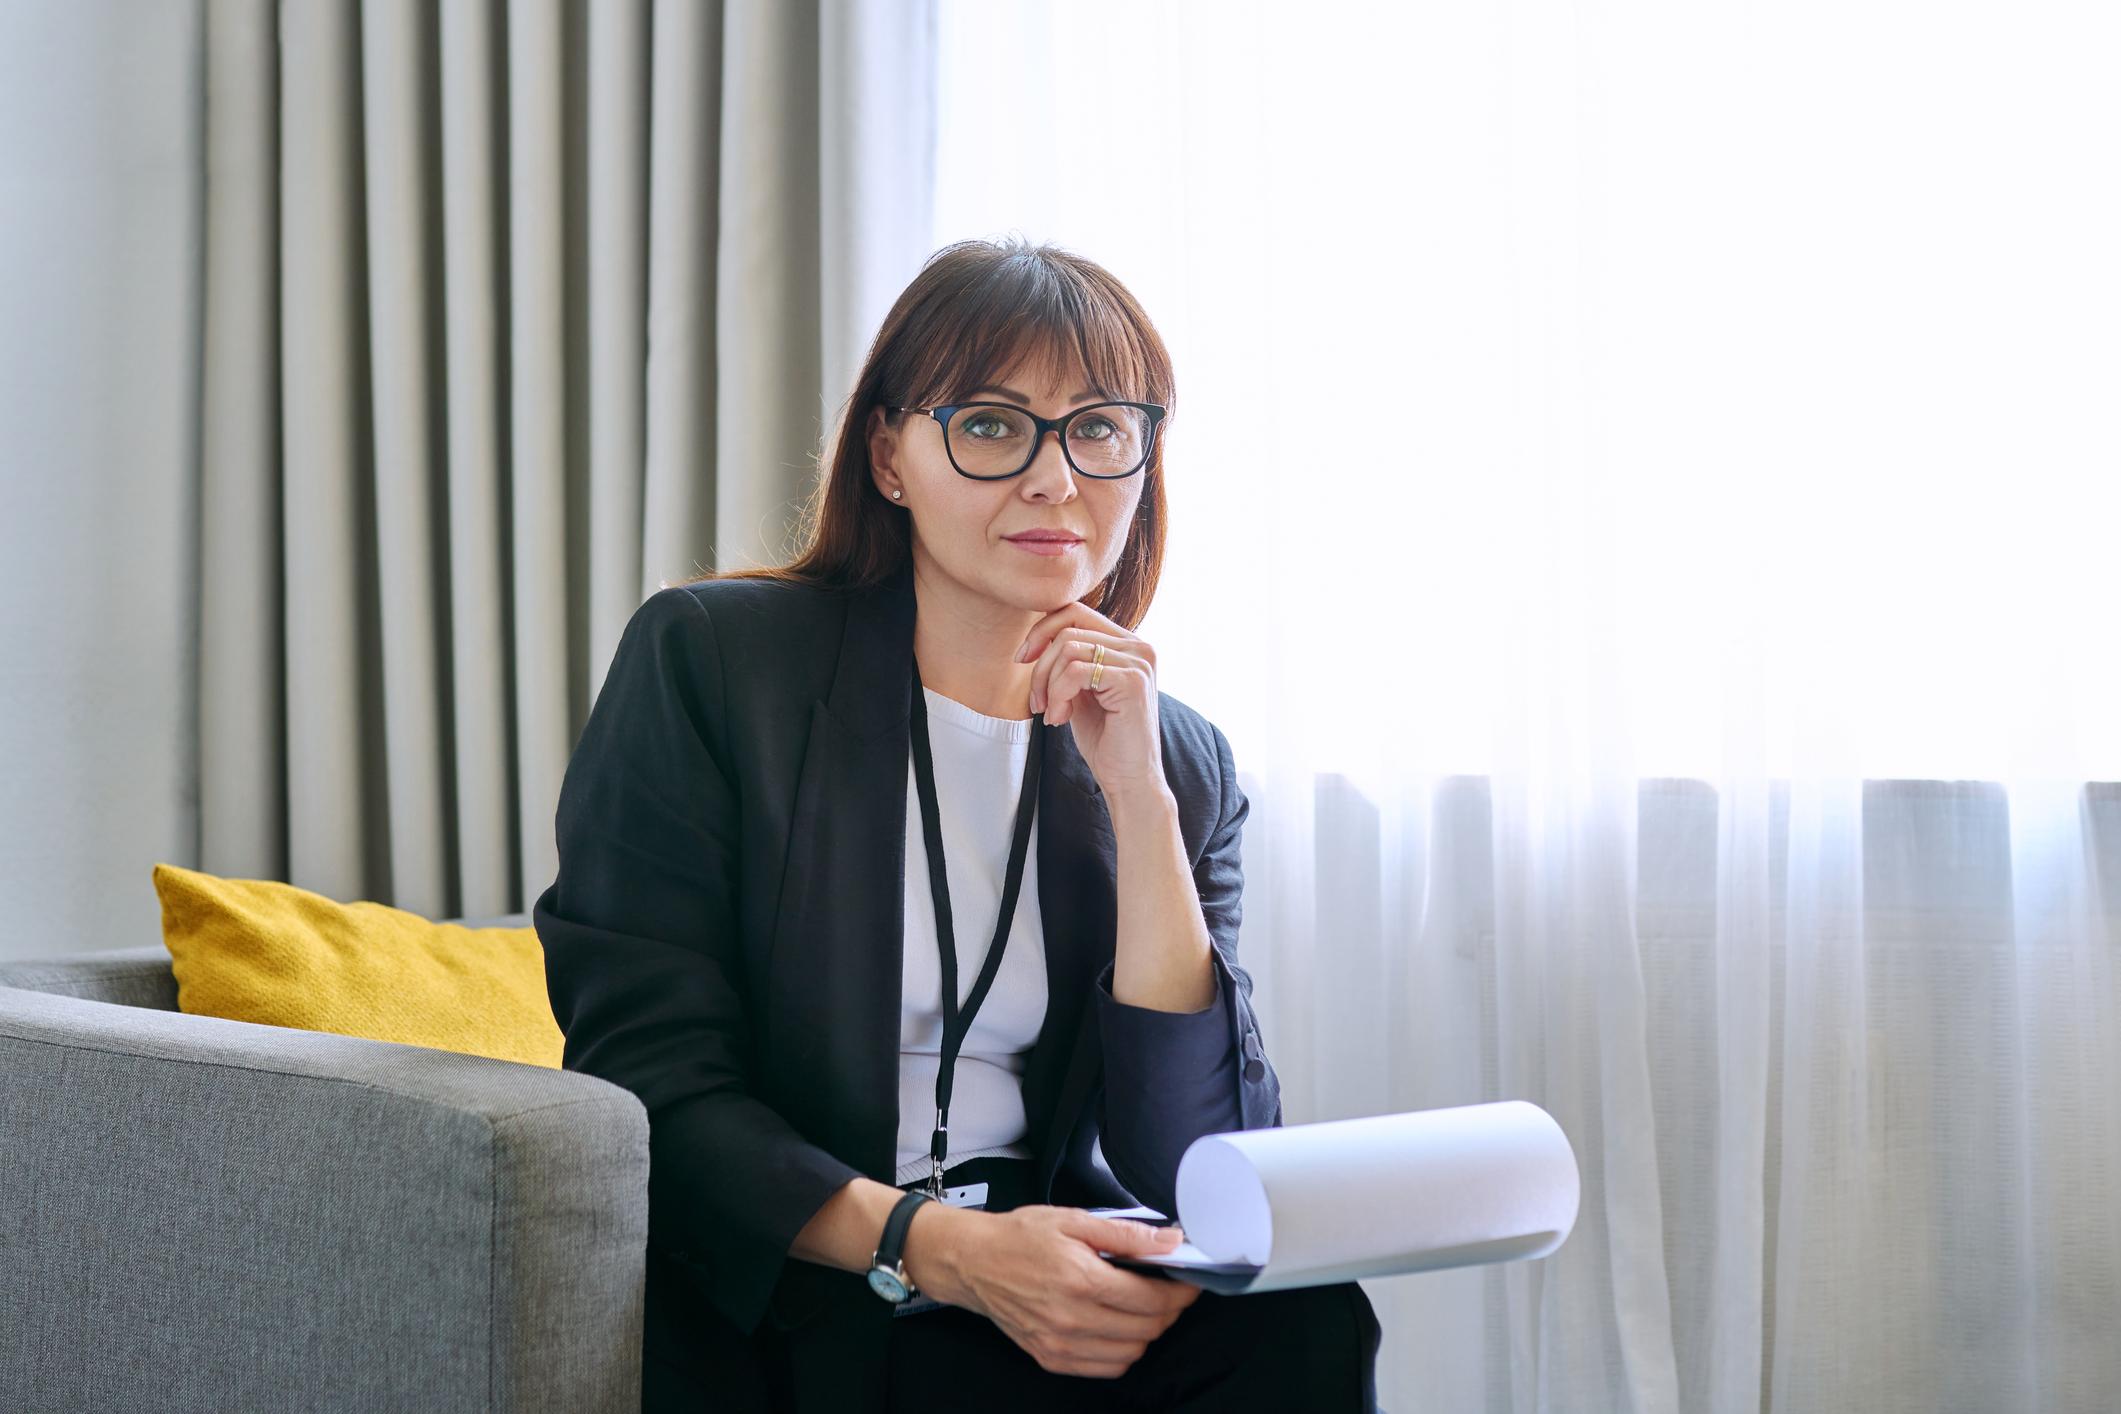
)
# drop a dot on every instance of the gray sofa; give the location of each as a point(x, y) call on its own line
point(199, 1214)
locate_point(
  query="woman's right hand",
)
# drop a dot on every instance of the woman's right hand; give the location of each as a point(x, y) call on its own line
point(1036, 1273)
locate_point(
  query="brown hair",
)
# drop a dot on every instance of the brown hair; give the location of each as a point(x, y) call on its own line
point(976, 309)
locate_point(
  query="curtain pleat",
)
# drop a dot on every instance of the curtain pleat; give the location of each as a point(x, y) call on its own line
point(874, 60)
point(618, 289)
point(242, 730)
point(334, 789)
point(684, 372)
point(397, 55)
point(537, 301)
point(474, 322)
point(469, 292)
point(766, 279)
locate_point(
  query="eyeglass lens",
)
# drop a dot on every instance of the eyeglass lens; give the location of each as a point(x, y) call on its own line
point(993, 440)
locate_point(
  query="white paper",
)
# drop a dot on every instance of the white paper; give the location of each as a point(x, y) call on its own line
point(1311, 1204)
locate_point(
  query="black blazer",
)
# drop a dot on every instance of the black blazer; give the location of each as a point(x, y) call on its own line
point(724, 936)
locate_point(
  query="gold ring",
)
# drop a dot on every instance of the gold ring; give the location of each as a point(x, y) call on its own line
point(1097, 665)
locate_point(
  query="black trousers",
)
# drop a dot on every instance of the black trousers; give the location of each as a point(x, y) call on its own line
point(1312, 1349)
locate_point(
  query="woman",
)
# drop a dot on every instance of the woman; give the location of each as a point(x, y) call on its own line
point(805, 793)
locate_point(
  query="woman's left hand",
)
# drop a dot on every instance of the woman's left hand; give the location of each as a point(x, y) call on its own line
point(1116, 723)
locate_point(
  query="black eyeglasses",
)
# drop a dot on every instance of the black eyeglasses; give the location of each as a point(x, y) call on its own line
point(993, 441)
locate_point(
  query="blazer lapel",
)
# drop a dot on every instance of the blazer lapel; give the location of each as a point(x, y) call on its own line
point(831, 1035)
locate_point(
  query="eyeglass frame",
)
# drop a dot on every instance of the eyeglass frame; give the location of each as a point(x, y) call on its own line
point(943, 412)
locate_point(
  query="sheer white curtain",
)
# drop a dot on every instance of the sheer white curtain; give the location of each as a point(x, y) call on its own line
point(1644, 495)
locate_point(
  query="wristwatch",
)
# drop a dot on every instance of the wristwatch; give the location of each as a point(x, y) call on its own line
point(887, 1270)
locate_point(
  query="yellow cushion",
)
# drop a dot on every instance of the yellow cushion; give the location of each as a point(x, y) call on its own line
point(256, 950)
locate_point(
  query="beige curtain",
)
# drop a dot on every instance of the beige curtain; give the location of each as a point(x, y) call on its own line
point(512, 312)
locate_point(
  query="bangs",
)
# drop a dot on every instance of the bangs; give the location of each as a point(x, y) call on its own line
point(1029, 314)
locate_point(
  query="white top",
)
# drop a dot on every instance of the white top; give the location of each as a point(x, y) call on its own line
point(979, 772)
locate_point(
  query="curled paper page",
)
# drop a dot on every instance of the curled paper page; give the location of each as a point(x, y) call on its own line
point(1312, 1204)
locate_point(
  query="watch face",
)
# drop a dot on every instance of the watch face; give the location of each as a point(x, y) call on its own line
point(886, 1284)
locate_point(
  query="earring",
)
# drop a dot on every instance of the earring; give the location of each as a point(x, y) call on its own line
point(896, 494)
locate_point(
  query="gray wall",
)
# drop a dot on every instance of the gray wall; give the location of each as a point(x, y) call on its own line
point(101, 124)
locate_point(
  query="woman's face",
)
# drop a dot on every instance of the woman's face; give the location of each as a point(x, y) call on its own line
point(962, 527)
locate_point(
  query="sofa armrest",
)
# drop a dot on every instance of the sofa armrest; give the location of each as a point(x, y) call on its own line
point(135, 977)
point(202, 1214)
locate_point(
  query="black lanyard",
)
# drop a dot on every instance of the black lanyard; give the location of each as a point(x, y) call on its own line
point(956, 1023)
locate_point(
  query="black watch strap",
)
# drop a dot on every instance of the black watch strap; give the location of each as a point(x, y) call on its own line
point(893, 1243)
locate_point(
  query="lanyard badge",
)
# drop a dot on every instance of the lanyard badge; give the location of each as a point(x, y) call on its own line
point(955, 1022)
